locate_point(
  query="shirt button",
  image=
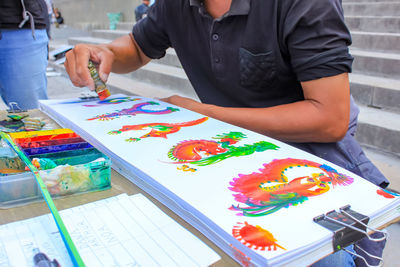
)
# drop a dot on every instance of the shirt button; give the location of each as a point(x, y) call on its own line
point(216, 60)
point(215, 37)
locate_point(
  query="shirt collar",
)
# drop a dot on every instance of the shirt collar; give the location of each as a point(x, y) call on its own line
point(238, 7)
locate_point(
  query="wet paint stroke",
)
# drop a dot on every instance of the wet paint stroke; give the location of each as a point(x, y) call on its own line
point(386, 193)
point(206, 152)
point(270, 189)
point(255, 237)
point(134, 110)
point(157, 129)
point(108, 101)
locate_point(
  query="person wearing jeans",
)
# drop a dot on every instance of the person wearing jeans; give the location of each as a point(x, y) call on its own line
point(23, 52)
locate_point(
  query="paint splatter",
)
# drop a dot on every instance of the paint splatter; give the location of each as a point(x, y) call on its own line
point(157, 129)
point(134, 110)
point(271, 189)
point(255, 237)
point(206, 152)
point(386, 193)
point(186, 168)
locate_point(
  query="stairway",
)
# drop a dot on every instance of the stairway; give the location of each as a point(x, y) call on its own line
point(375, 81)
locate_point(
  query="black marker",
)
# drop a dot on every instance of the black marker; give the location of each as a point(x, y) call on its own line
point(41, 260)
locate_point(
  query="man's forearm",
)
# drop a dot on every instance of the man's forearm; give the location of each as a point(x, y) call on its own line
point(127, 55)
point(322, 117)
point(295, 122)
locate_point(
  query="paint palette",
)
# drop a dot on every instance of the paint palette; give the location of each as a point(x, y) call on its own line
point(66, 163)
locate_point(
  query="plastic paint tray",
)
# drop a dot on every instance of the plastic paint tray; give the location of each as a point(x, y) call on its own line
point(77, 171)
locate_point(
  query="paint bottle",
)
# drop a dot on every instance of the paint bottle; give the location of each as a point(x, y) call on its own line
point(99, 86)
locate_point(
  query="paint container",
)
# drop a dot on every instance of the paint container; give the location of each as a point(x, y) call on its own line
point(72, 167)
point(99, 86)
point(42, 142)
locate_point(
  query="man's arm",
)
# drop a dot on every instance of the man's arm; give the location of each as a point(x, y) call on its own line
point(121, 56)
point(322, 117)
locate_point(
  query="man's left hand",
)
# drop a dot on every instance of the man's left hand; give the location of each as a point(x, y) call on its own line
point(188, 103)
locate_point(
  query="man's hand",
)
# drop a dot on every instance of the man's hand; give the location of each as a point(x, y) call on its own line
point(76, 63)
point(121, 56)
point(188, 103)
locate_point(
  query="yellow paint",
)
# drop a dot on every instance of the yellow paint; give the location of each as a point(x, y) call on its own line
point(18, 135)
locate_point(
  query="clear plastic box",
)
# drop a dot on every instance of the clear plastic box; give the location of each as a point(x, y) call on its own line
point(76, 171)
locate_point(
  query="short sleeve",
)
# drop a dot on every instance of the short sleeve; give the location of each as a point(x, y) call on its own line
point(317, 39)
point(150, 33)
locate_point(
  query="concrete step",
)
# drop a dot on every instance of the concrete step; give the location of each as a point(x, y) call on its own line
point(170, 57)
point(163, 75)
point(376, 41)
point(373, 23)
point(367, 1)
point(379, 129)
point(381, 8)
point(375, 91)
point(109, 34)
point(125, 26)
point(122, 84)
point(376, 63)
point(87, 40)
point(389, 165)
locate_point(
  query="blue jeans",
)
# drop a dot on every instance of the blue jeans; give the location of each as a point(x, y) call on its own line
point(23, 62)
point(338, 259)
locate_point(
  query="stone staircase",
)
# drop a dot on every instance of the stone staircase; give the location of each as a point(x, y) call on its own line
point(375, 81)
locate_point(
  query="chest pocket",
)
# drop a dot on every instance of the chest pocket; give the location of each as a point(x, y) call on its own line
point(257, 71)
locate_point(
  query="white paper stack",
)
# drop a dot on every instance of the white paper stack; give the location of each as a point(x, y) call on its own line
point(118, 231)
point(253, 196)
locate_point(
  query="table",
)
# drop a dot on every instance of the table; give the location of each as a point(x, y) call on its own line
point(119, 185)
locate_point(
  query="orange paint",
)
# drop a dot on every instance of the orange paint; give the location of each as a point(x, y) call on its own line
point(255, 237)
point(384, 194)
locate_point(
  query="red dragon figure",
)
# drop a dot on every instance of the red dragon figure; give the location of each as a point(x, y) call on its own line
point(157, 129)
point(270, 189)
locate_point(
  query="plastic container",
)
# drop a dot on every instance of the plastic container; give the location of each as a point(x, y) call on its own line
point(75, 171)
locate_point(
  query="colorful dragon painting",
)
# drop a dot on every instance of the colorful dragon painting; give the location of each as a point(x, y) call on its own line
point(206, 152)
point(134, 110)
point(271, 189)
point(255, 237)
point(108, 101)
point(157, 129)
point(113, 101)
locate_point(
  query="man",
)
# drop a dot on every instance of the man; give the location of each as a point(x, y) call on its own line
point(23, 52)
point(141, 10)
point(277, 67)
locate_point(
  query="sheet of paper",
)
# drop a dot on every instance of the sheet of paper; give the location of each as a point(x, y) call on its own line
point(118, 231)
point(258, 194)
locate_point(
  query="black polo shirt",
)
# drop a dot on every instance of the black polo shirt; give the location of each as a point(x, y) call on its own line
point(256, 54)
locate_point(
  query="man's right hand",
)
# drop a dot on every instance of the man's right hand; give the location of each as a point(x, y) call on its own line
point(122, 55)
point(76, 63)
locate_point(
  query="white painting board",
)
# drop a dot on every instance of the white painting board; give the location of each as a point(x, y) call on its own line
point(203, 194)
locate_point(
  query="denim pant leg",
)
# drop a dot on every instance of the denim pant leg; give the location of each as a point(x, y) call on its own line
point(23, 62)
point(338, 259)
